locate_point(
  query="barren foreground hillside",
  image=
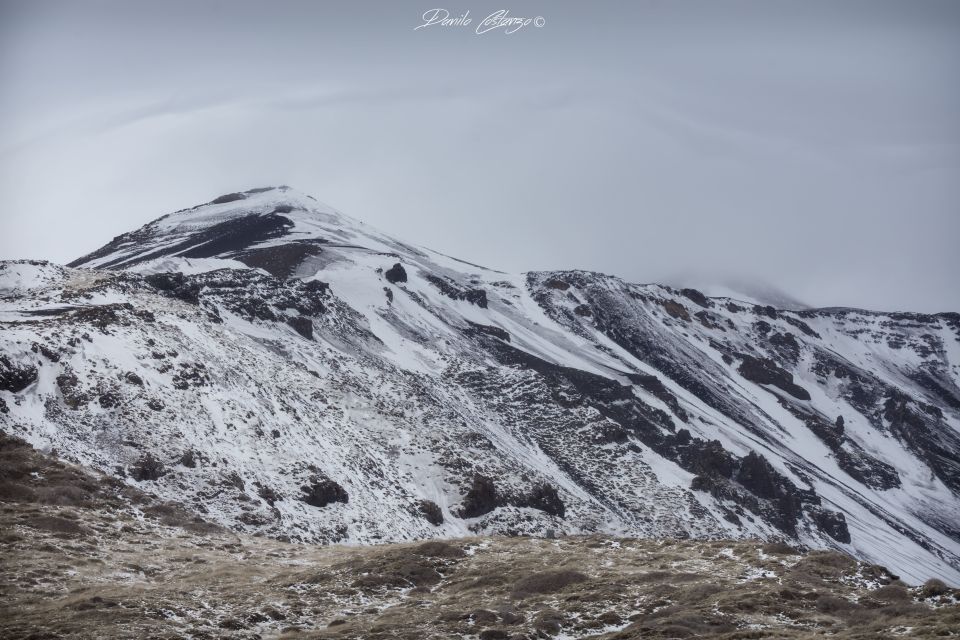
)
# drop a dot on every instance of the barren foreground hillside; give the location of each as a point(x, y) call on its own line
point(84, 556)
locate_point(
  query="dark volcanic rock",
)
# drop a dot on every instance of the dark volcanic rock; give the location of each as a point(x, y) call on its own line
point(480, 499)
point(431, 512)
point(758, 476)
point(759, 488)
point(148, 468)
point(560, 285)
point(921, 427)
point(767, 310)
point(234, 235)
point(176, 285)
point(230, 197)
point(396, 274)
point(833, 523)
point(697, 297)
point(544, 497)
point(764, 371)
point(654, 385)
point(15, 378)
point(189, 459)
point(477, 297)
point(109, 399)
point(302, 325)
point(488, 330)
point(191, 375)
point(70, 389)
point(321, 491)
point(269, 495)
point(676, 310)
point(850, 456)
point(455, 292)
point(787, 345)
point(280, 261)
point(46, 352)
point(704, 458)
point(803, 326)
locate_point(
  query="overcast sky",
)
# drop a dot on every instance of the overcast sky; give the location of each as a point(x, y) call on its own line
point(811, 145)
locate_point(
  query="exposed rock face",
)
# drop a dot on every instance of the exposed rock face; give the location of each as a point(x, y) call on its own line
point(321, 491)
point(485, 329)
point(302, 325)
point(230, 197)
point(582, 403)
point(481, 499)
point(280, 261)
point(456, 292)
point(756, 474)
point(545, 498)
point(697, 297)
point(676, 310)
point(147, 468)
point(431, 511)
point(14, 377)
point(765, 371)
point(832, 523)
point(176, 285)
point(396, 274)
point(71, 390)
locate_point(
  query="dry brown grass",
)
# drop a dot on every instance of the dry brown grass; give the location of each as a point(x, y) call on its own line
point(546, 582)
point(87, 566)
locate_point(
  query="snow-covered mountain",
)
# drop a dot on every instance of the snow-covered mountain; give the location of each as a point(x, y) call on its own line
point(286, 370)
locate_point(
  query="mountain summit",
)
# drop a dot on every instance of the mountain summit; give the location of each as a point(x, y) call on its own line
point(286, 370)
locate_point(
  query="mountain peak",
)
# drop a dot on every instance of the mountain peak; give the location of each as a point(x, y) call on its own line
point(226, 228)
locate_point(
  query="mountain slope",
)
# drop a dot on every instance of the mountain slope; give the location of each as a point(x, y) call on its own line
point(87, 556)
point(284, 369)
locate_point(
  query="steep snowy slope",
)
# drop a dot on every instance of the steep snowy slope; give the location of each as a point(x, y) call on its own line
point(287, 370)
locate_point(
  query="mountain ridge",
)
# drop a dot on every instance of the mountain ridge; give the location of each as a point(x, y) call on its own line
point(488, 402)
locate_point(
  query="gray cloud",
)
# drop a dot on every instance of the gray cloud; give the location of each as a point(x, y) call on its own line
point(811, 145)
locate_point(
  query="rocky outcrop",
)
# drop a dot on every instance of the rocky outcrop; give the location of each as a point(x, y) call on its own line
point(431, 512)
point(14, 377)
point(396, 274)
point(544, 497)
point(302, 325)
point(455, 292)
point(321, 491)
point(176, 285)
point(697, 297)
point(766, 371)
point(148, 468)
point(481, 498)
point(832, 523)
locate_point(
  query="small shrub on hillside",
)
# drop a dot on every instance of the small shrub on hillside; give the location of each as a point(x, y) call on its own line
point(933, 588)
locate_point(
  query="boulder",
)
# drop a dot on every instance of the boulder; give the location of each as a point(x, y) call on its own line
point(396, 274)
